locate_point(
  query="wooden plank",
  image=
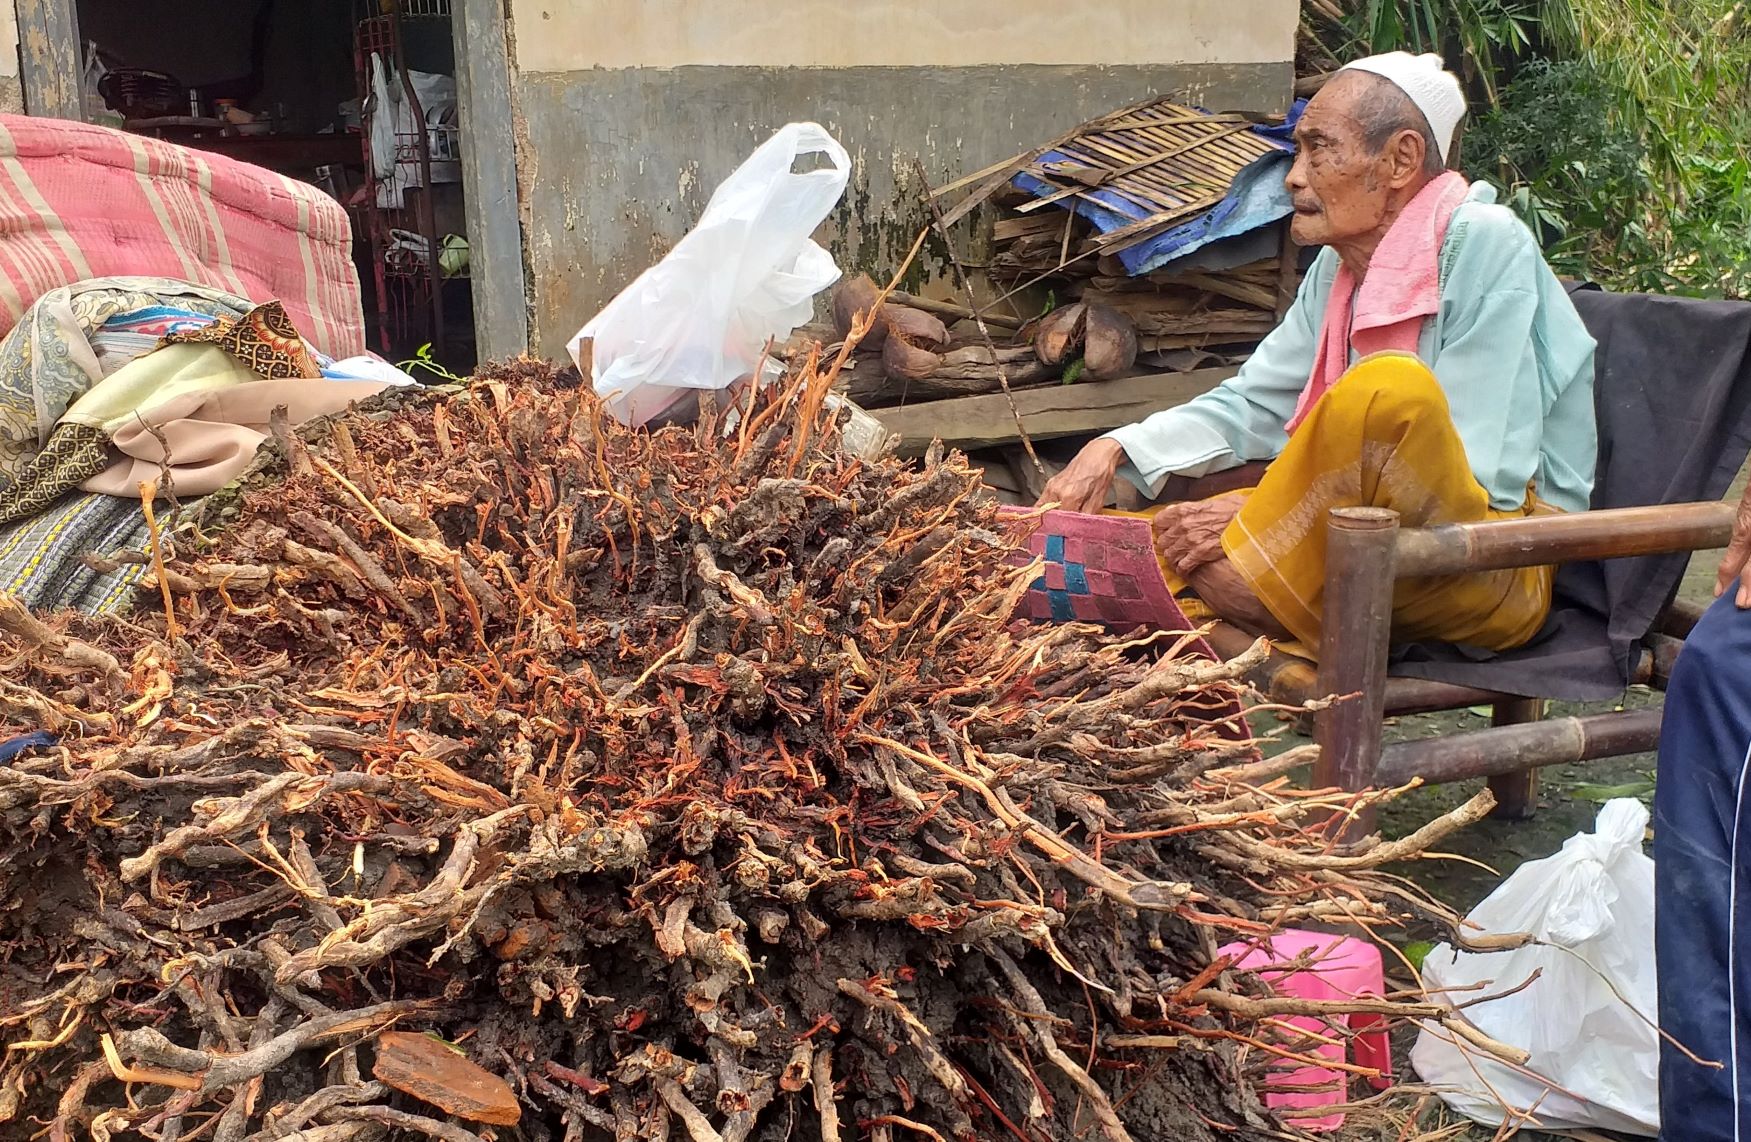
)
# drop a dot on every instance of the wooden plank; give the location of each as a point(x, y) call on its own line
point(951, 309)
point(1148, 227)
point(1155, 189)
point(1224, 285)
point(489, 179)
point(437, 1073)
point(1131, 177)
point(1009, 229)
point(1046, 413)
point(1288, 279)
point(1157, 113)
point(1516, 793)
point(1030, 481)
point(1170, 341)
point(999, 174)
point(51, 64)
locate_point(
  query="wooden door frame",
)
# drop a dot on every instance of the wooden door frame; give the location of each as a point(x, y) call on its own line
point(486, 112)
point(50, 63)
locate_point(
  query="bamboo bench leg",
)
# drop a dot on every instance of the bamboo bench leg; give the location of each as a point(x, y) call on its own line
point(1516, 793)
point(1357, 627)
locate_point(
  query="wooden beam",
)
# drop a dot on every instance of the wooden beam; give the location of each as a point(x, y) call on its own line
point(1517, 792)
point(1614, 533)
point(489, 177)
point(1047, 413)
point(1353, 649)
point(50, 59)
point(1509, 749)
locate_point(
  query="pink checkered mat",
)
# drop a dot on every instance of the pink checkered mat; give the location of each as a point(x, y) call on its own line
point(1098, 569)
point(1103, 569)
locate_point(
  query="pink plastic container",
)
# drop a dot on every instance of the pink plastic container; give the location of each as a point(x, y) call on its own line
point(1343, 968)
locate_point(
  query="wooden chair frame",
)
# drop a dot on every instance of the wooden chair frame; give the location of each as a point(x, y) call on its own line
point(1368, 552)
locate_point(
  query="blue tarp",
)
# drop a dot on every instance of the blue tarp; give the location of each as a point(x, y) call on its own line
point(12, 747)
point(1256, 198)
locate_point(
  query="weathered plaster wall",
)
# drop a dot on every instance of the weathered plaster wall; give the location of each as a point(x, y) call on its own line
point(11, 87)
point(572, 35)
point(630, 114)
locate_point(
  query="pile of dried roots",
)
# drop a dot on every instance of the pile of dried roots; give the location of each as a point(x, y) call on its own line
point(498, 771)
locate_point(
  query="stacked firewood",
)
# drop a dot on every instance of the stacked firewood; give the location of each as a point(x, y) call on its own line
point(1058, 252)
point(917, 349)
point(482, 768)
point(1092, 322)
point(1079, 295)
point(912, 353)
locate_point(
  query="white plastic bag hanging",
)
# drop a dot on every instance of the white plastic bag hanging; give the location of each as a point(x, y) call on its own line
point(748, 272)
point(1597, 1054)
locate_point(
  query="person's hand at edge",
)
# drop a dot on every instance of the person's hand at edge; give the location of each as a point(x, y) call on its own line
point(1083, 484)
point(1736, 565)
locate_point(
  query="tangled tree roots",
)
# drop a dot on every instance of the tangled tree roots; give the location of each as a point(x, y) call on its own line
point(692, 784)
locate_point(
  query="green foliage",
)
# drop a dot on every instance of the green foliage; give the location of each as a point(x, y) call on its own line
point(1681, 72)
point(1417, 951)
point(1619, 129)
point(1477, 37)
point(1600, 794)
point(1568, 167)
point(422, 362)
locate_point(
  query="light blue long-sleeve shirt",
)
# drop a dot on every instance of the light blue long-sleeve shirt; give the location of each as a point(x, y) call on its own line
point(1507, 346)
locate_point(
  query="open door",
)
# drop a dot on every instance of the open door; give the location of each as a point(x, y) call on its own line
point(440, 252)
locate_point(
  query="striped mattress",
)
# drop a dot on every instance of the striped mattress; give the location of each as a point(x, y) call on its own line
point(79, 201)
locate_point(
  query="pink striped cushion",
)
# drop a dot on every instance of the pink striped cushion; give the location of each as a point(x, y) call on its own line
point(79, 201)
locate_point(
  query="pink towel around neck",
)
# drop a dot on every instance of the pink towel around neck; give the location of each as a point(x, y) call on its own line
point(1400, 289)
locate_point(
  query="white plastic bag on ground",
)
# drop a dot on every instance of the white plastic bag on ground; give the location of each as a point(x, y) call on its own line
point(749, 272)
point(1594, 901)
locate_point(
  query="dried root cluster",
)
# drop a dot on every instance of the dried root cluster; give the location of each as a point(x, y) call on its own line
point(501, 772)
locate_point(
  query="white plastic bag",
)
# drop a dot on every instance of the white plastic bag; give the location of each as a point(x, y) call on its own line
point(394, 131)
point(1595, 898)
point(700, 318)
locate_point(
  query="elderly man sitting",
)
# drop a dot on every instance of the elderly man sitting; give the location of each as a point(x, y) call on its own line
point(1431, 364)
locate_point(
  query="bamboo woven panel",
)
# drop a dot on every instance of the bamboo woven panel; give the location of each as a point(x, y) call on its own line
point(1156, 165)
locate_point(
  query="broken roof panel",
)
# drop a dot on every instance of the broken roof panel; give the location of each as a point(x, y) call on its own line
point(1140, 173)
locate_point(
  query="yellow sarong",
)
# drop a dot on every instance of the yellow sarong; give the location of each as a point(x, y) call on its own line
point(1382, 437)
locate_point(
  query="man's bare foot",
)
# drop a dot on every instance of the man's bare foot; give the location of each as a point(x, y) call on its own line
point(1227, 593)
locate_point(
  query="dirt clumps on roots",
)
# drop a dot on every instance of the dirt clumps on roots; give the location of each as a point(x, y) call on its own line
point(497, 764)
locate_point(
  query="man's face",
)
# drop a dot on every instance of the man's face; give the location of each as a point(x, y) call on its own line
point(1340, 191)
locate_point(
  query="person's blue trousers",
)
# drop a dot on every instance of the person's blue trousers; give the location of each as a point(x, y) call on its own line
point(1702, 871)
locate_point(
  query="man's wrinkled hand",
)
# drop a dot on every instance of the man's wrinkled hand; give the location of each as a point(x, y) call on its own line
point(1083, 484)
point(1736, 565)
point(1189, 535)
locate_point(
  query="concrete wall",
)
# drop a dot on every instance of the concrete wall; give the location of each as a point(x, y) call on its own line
point(628, 114)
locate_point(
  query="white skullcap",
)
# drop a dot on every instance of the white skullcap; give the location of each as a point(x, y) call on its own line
point(1433, 88)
